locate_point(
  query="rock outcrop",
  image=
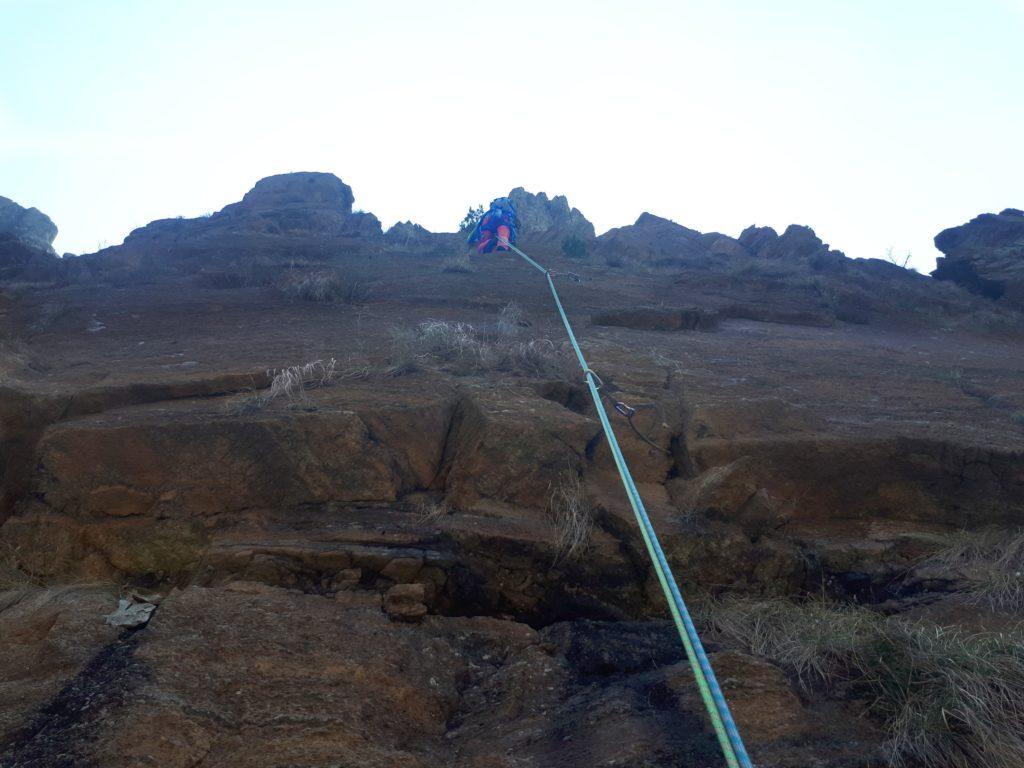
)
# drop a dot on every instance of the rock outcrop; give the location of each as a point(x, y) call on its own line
point(796, 243)
point(26, 244)
point(28, 226)
point(655, 240)
point(985, 256)
point(407, 237)
point(303, 214)
point(548, 221)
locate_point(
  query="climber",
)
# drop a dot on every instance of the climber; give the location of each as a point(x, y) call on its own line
point(497, 224)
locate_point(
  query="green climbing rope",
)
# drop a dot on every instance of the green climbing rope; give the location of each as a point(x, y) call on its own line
point(710, 691)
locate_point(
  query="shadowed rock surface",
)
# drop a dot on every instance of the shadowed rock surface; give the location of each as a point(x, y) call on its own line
point(986, 255)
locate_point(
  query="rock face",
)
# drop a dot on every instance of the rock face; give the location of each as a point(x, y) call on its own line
point(28, 226)
point(549, 221)
point(986, 255)
point(429, 560)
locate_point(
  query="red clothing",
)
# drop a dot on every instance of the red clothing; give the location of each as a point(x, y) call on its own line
point(489, 235)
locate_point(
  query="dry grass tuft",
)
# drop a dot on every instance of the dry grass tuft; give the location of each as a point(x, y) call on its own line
point(432, 512)
point(990, 564)
point(292, 382)
point(573, 515)
point(948, 698)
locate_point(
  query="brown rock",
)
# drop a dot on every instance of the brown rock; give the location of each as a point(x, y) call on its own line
point(402, 569)
point(406, 602)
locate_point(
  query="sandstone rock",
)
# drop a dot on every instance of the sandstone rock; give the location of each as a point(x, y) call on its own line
point(986, 255)
point(28, 226)
point(761, 699)
point(406, 602)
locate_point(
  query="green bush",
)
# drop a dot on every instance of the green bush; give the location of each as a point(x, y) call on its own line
point(574, 247)
point(473, 215)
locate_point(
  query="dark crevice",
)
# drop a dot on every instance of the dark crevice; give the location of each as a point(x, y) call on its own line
point(61, 733)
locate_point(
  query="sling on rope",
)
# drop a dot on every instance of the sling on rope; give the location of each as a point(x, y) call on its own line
point(718, 710)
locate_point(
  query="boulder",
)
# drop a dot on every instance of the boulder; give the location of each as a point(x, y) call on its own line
point(985, 256)
point(28, 226)
point(541, 219)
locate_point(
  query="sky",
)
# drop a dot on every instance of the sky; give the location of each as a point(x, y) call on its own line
point(877, 123)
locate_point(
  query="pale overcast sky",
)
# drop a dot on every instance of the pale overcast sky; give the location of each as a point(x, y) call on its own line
point(876, 122)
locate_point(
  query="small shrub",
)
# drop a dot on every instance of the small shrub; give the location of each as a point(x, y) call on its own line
point(469, 221)
point(573, 515)
point(510, 319)
point(574, 247)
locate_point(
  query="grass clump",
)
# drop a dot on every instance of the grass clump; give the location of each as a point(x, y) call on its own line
point(510, 320)
point(573, 515)
point(457, 265)
point(327, 287)
point(947, 698)
point(465, 348)
point(990, 566)
point(13, 574)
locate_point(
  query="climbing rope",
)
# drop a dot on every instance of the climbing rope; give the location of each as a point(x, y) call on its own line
point(721, 719)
